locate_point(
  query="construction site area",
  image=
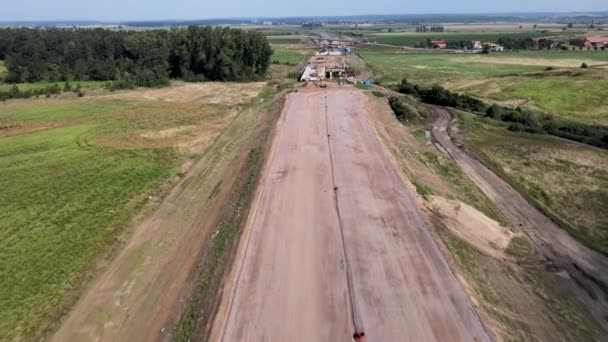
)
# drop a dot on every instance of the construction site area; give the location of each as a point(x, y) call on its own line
point(335, 246)
point(328, 63)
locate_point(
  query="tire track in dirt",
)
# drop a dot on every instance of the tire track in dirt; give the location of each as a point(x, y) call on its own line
point(358, 326)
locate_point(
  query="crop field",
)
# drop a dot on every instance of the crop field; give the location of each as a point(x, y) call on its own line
point(74, 174)
point(566, 179)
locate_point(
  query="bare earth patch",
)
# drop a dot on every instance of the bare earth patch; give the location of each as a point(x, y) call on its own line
point(208, 92)
point(471, 225)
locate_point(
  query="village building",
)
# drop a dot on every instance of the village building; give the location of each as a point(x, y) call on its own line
point(596, 42)
point(441, 44)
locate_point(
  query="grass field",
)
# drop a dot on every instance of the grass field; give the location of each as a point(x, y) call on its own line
point(568, 91)
point(580, 97)
point(413, 38)
point(566, 179)
point(435, 68)
point(289, 53)
point(74, 174)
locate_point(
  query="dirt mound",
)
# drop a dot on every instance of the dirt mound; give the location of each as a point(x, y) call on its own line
point(471, 225)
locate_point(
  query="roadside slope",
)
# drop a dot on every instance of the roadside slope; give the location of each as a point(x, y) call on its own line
point(586, 267)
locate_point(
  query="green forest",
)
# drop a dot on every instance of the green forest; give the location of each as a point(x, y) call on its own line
point(133, 58)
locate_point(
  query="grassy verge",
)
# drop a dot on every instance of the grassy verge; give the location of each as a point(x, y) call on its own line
point(200, 308)
point(566, 180)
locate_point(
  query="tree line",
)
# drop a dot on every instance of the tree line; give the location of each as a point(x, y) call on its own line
point(432, 28)
point(133, 58)
point(519, 119)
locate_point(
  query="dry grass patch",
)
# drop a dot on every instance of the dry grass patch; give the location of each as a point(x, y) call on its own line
point(567, 179)
point(561, 63)
point(205, 92)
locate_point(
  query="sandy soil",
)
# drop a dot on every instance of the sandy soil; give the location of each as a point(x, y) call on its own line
point(586, 267)
point(471, 225)
point(336, 243)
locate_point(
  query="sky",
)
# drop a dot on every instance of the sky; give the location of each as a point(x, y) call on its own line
point(121, 10)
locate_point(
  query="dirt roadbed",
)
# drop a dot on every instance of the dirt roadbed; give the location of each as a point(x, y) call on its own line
point(299, 276)
point(587, 269)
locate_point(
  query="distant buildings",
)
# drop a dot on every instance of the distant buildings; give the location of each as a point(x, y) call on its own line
point(477, 45)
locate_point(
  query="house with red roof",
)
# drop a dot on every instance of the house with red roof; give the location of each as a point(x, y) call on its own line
point(596, 41)
point(442, 44)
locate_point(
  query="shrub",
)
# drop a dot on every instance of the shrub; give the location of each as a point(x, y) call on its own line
point(401, 110)
point(294, 74)
point(584, 66)
point(406, 88)
point(378, 93)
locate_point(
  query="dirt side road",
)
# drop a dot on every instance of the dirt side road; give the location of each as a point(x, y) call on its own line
point(312, 265)
point(585, 266)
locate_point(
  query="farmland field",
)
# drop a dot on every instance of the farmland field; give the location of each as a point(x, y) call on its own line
point(74, 174)
point(567, 91)
point(567, 179)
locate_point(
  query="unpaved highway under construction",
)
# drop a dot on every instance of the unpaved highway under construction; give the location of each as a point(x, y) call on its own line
point(335, 243)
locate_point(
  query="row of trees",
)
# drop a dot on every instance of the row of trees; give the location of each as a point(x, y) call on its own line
point(16, 93)
point(433, 28)
point(516, 43)
point(520, 119)
point(144, 58)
